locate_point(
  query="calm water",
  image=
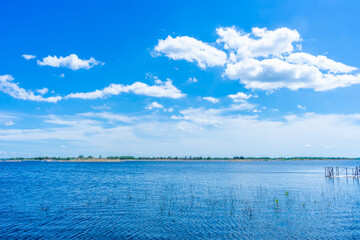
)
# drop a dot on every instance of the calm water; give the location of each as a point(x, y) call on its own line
point(177, 200)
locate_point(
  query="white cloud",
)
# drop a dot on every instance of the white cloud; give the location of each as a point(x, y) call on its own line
point(7, 86)
point(212, 116)
point(307, 145)
point(42, 91)
point(111, 117)
point(195, 132)
point(60, 121)
point(239, 97)
point(8, 116)
point(269, 74)
point(200, 116)
point(192, 80)
point(265, 59)
point(322, 62)
point(330, 81)
point(171, 109)
point(61, 75)
point(28, 57)
point(244, 106)
point(211, 99)
point(260, 43)
point(9, 123)
point(298, 70)
point(162, 89)
point(301, 107)
point(154, 105)
point(191, 50)
point(72, 61)
point(101, 107)
point(291, 117)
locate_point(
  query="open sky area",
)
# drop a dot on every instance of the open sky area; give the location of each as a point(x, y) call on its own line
point(180, 78)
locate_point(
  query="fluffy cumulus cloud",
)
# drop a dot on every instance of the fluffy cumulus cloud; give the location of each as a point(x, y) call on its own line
point(267, 60)
point(42, 91)
point(72, 61)
point(11, 88)
point(211, 99)
point(274, 73)
point(154, 105)
point(239, 97)
point(192, 50)
point(161, 89)
point(260, 43)
point(28, 56)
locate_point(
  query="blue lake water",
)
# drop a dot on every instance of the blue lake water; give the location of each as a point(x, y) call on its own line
point(178, 200)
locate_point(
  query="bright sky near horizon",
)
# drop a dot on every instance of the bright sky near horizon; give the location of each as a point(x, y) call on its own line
point(180, 78)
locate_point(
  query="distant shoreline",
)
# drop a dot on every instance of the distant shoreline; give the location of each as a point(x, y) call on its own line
point(177, 160)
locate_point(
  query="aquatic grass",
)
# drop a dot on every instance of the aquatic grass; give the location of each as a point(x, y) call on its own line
point(236, 205)
point(146, 203)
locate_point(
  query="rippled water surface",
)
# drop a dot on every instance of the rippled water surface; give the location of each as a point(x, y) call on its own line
point(177, 200)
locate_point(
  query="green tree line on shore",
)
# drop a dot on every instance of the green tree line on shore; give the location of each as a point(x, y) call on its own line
point(126, 157)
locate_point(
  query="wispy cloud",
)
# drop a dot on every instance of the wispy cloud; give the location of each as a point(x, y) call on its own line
point(301, 107)
point(212, 116)
point(161, 89)
point(211, 99)
point(198, 132)
point(8, 123)
point(321, 62)
point(101, 107)
point(28, 56)
point(192, 80)
point(9, 87)
point(112, 117)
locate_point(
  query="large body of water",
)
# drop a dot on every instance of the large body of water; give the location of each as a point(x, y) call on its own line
point(177, 200)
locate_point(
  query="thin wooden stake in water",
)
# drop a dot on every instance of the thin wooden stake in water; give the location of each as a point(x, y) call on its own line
point(346, 172)
point(342, 172)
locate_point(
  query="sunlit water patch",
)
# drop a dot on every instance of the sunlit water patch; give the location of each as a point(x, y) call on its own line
point(178, 200)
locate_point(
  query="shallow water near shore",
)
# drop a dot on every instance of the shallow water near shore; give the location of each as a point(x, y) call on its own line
point(178, 200)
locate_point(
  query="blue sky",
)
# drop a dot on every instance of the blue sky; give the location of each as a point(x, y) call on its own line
point(179, 78)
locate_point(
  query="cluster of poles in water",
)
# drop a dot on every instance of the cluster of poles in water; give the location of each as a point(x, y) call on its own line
point(342, 172)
